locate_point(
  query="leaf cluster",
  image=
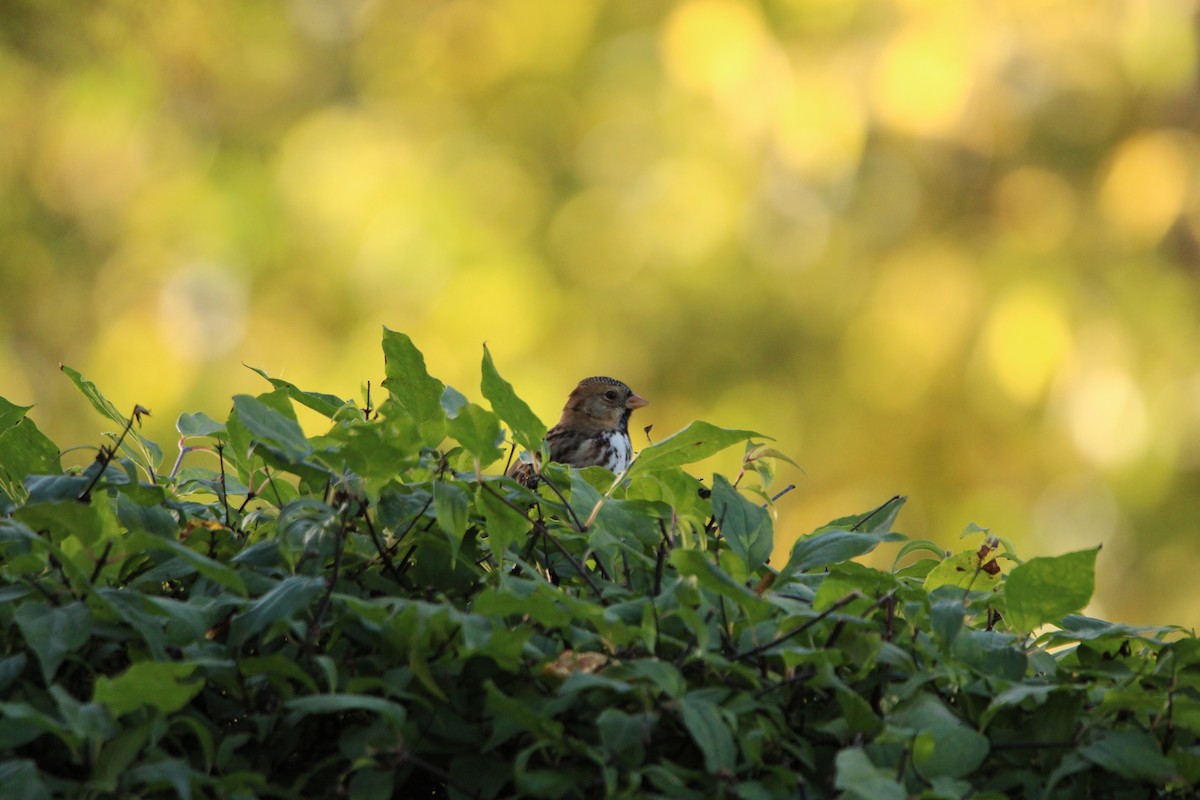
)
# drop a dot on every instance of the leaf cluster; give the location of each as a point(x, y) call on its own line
point(368, 612)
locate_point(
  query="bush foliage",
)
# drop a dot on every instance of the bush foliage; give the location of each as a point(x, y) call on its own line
point(366, 613)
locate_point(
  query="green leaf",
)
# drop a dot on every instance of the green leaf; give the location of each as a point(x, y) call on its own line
point(1045, 589)
point(964, 571)
point(848, 576)
point(327, 405)
point(505, 525)
point(145, 453)
point(412, 387)
point(164, 685)
point(11, 414)
point(20, 777)
point(273, 429)
point(198, 424)
point(213, 570)
point(933, 549)
point(710, 732)
point(1134, 755)
point(392, 711)
point(948, 751)
point(477, 430)
point(526, 428)
point(877, 520)
point(696, 563)
point(53, 632)
point(450, 504)
point(745, 525)
point(858, 777)
point(697, 441)
point(25, 451)
point(829, 547)
point(288, 600)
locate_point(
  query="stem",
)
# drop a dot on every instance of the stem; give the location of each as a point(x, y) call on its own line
point(840, 604)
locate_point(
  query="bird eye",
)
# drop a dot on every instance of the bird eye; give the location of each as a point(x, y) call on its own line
point(610, 394)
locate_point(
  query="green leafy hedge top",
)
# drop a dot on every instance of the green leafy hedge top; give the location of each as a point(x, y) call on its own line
point(367, 613)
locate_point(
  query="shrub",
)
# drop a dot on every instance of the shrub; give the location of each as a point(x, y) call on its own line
point(366, 613)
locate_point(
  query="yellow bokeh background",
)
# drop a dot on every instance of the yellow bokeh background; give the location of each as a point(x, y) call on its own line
point(943, 249)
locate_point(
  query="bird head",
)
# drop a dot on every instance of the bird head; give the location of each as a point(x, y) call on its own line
point(601, 404)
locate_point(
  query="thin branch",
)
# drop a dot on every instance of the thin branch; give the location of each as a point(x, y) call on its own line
point(778, 640)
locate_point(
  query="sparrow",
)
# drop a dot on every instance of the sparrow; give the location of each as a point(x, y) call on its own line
point(592, 431)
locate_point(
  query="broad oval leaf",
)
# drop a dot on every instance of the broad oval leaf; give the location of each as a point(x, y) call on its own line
point(697, 441)
point(1045, 589)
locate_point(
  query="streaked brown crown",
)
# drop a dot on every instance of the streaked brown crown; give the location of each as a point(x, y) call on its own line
point(600, 404)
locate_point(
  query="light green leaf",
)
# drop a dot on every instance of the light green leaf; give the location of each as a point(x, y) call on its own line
point(198, 424)
point(697, 441)
point(964, 571)
point(859, 778)
point(478, 431)
point(144, 452)
point(526, 428)
point(327, 405)
point(412, 387)
point(164, 685)
point(1045, 589)
point(948, 751)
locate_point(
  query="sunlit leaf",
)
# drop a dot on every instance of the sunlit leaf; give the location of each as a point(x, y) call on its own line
point(526, 428)
point(167, 686)
point(477, 430)
point(198, 424)
point(412, 387)
point(1044, 589)
point(326, 405)
point(697, 441)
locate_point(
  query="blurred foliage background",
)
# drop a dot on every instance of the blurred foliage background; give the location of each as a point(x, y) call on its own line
point(943, 249)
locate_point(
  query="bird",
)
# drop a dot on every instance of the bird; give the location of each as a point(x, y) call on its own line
point(592, 431)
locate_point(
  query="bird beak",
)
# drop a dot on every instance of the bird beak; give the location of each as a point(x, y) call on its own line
point(636, 401)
